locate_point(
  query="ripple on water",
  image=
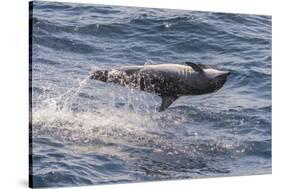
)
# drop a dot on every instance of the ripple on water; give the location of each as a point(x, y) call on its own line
point(88, 132)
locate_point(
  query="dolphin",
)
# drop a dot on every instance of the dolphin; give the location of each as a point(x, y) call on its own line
point(169, 81)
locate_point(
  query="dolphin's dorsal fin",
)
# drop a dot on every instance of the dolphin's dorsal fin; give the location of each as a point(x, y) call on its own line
point(205, 66)
point(167, 101)
point(194, 66)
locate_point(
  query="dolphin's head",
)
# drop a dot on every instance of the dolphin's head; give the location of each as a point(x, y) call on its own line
point(206, 79)
point(217, 78)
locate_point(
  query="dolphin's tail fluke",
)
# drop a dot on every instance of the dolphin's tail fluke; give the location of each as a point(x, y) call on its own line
point(101, 75)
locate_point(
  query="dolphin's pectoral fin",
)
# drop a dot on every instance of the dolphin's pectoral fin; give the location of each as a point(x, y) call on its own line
point(167, 101)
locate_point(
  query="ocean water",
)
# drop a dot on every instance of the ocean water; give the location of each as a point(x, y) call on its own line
point(88, 132)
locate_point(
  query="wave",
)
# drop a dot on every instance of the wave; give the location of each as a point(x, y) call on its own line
point(89, 132)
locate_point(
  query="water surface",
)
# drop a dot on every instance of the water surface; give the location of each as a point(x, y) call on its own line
point(88, 132)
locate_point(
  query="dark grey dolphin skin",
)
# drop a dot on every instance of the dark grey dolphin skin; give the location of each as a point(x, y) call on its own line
point(169, 81)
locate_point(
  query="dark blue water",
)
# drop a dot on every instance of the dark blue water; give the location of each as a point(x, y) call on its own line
point(89, 132)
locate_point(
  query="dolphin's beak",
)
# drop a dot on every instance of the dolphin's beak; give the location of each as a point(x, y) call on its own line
point(225, 73)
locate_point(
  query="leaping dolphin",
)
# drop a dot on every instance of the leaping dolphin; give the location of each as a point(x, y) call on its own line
point(169, 81)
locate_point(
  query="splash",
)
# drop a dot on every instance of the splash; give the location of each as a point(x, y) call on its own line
point(108, 124)
point(64, 101)
point(55, 117)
